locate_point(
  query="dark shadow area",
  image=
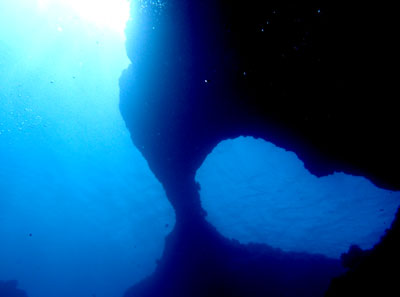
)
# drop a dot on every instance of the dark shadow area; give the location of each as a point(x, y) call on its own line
point(199, 262)
point(9, 289)
point(313, 79)
point(372, 272)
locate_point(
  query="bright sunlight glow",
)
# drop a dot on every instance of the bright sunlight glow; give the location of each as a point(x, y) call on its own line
point(105, 14)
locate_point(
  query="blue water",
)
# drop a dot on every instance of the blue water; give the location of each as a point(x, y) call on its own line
point(81, 214)
point(69, 173)
point(255, 191)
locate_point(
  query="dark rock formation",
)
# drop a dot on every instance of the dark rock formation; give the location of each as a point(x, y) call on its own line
point(199, 262)
point(373, 272)
point(314, 79)
point(9, 289)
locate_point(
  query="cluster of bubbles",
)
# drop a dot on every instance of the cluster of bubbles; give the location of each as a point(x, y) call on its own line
point(17, 114)
point(155, 6)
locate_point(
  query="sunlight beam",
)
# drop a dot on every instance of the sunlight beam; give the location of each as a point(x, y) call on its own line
point(105, 14)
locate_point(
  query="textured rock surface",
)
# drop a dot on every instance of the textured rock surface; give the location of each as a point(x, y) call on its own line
point(314, 79)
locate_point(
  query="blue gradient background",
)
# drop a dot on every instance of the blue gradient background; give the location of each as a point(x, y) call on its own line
point(71, 177)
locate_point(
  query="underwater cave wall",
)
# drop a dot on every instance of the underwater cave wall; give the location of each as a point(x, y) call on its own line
point(296, 75)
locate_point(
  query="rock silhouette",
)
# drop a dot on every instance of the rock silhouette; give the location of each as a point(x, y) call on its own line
point(313, 79)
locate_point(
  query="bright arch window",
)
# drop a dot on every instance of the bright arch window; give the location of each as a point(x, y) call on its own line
point(254, 191)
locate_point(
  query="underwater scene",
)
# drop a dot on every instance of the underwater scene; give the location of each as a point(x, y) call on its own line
point(168, 148)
